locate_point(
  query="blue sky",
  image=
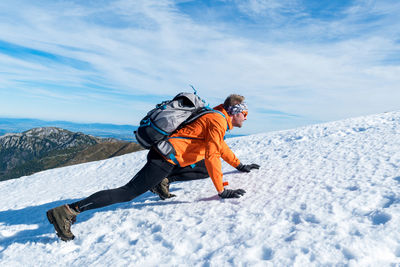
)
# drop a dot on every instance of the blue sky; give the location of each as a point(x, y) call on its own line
point(297, 62)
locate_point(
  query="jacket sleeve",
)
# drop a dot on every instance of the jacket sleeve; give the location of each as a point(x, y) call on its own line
point(228, 156)
point(214, 138)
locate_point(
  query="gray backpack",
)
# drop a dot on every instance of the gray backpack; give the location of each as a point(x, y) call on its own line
point(169, 116)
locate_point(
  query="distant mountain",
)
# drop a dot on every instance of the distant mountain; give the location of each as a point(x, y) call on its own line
point(50, 147)
point(123, 132)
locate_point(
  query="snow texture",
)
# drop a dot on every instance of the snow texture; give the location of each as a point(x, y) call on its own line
point(325, 194)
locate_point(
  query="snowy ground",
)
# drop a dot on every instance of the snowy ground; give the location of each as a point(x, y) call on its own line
point(326, 194)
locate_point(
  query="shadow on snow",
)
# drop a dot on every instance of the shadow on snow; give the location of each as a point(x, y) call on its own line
point(41, 231)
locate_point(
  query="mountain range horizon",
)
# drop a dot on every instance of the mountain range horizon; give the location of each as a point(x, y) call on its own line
point(103, 130)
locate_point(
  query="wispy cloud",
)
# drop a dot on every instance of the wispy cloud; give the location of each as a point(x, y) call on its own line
point(275, 113)
point(320, 62)
point(42, 57)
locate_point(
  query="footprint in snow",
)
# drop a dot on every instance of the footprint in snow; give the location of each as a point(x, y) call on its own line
point(267, 254)
point(311, 219)
point(293, 138)
point(391, 199)
point(296, 218)
point(379, 217)
point(352, 188)
point(360, 129)
point(355, 232)
point(290, 238)
point(346, 252)
point(397, 252)
point(305, 250)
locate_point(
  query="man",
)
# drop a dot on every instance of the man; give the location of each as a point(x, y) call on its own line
point(233, 105)
point(201, 139)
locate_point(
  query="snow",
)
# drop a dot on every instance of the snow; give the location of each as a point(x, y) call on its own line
point(326, 194)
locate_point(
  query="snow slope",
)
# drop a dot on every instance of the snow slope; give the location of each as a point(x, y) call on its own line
point(326, 194)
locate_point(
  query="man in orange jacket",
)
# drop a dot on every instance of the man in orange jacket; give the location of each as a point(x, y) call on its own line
point(199, 146)
point(202, 139)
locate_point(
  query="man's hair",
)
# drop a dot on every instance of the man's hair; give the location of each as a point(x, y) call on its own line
point(232, 100)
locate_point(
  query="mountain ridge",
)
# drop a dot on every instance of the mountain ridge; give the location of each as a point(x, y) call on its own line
point(51, 147)
point(104, 130)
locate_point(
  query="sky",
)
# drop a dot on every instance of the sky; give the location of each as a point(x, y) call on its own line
point(297, 62)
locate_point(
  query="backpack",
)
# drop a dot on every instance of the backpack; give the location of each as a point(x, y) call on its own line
point(168, 117)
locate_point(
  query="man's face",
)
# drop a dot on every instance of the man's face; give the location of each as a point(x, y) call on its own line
point(238, 119)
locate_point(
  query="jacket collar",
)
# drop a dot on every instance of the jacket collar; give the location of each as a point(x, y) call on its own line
point(227, 117)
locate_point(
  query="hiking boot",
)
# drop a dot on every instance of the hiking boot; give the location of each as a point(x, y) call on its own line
point(62, 218)
point(162, 189)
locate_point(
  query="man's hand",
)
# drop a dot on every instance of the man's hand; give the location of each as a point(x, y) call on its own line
point(232, 193)
point(247, 168)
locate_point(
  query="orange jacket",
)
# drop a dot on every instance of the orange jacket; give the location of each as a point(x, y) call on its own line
point(204, 139)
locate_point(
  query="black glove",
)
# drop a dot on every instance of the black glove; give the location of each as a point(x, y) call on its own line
point(247, 168)
point(232, 193)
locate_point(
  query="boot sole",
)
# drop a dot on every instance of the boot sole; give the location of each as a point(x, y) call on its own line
point(52, 220)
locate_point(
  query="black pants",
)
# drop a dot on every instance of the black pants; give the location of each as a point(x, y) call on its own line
point(188, 173)
point(156, 169)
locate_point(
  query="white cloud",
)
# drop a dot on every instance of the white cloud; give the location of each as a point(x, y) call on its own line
point(319, 70)
point(271, 8)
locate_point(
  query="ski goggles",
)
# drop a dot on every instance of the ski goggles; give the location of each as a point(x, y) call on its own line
point(238, 108)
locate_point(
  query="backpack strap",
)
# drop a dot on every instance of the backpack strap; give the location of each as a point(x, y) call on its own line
point(204, 111)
